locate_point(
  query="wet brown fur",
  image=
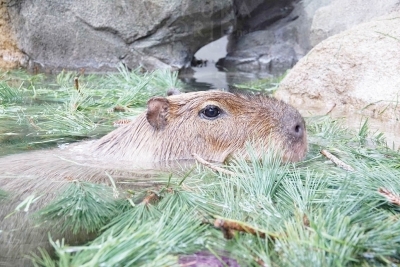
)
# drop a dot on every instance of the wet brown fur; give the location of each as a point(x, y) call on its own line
point(174, 132)
point(244, 118)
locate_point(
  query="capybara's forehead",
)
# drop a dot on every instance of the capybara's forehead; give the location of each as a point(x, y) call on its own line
point(225, 99)
point(186, 97)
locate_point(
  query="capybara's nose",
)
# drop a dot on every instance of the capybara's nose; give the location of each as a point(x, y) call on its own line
point(298, 130)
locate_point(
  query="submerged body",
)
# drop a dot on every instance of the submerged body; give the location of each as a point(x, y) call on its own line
point(214, 125)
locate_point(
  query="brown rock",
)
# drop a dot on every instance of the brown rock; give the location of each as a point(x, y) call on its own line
point(10, 55)
point(356, 70)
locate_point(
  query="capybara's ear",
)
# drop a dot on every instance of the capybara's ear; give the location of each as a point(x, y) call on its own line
point(173, 91)
point(157, 110)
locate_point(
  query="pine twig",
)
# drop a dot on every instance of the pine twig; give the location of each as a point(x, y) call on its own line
point(260, 262)
point(391, 197)
point(149, 199)
point(76, 83)
point(337, 161)
point(212, 166)
point(229, 226)
point(33, 124)
point(306, 221)
point(119, 108)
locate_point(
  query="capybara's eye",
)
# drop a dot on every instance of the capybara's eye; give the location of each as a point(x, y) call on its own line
point(210, 112)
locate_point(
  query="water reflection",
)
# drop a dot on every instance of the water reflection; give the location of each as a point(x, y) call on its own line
point(209, 77)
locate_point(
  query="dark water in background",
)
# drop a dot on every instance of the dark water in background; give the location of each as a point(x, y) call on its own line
point(209, 77)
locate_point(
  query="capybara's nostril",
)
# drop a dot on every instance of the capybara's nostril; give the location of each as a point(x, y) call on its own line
point(298, 130)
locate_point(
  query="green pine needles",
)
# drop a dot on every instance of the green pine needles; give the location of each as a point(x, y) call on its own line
point(308, 214)
point(82, 206)
point(38, 112)
point(258, 212)
point(3, 195)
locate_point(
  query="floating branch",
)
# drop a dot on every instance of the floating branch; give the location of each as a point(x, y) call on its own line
point(230, 226)
point(337, 161)
point(150, 199)
point(212, 166)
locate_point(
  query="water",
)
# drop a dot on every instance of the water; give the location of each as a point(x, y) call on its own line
point(19, 136)
point(209, 77)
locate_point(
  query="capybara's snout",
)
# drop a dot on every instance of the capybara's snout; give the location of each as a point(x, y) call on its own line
point(298, 129)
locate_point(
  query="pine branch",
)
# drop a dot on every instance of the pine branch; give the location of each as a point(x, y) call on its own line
point(82, 206)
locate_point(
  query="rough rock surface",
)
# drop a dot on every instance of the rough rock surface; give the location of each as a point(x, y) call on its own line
point(10, 55)
point(341, 15)
point(356, 71)
point(98, 35)
point(271, 35)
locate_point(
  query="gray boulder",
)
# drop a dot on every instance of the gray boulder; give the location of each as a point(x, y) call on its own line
point(10, 55)
point(353, 72)
point(341, 15)
point(99, 35)
point(271, 35)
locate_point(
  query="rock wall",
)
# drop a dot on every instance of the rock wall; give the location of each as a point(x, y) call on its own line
point(98, 35)
point(271, 35)
point(10, 55)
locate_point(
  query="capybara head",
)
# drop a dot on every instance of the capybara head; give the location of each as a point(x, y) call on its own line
point(213, 124)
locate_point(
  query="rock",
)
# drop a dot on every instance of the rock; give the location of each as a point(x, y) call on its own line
point(10, 55)
point(356, 71)
point(271, 36)
point(99, 35)
point(341, 15)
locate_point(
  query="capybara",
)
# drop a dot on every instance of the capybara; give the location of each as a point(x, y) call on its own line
point(214, 125)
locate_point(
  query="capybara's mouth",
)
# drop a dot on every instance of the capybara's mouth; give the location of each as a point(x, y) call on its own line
point(296, 152)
